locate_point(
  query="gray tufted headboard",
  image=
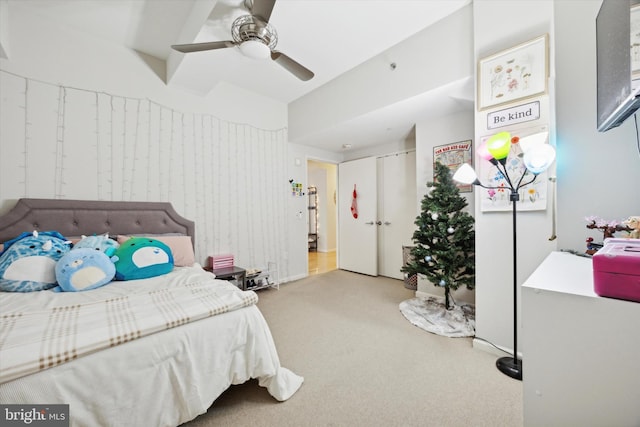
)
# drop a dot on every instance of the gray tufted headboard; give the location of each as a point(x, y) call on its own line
point(78, 217)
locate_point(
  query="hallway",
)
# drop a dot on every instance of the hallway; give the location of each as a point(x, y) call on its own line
point(321, 262)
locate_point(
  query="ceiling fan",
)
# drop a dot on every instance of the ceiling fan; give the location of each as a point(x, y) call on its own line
point(255, 37)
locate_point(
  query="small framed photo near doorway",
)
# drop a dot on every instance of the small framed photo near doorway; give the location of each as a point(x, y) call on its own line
point(514, 74)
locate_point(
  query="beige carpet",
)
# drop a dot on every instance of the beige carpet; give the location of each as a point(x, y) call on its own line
point(364, 364)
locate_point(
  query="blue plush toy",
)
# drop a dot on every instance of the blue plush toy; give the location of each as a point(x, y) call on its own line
point(100, 243)
point(141, 257)
point(83, 269)
point(28, 261)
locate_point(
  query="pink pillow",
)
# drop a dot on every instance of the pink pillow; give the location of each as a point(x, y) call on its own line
point(181, 248)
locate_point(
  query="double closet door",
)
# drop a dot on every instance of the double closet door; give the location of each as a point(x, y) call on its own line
point(386, 206)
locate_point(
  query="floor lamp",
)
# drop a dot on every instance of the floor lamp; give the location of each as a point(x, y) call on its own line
point(537, 157)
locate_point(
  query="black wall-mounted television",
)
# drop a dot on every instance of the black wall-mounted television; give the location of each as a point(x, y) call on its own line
point(618, 92)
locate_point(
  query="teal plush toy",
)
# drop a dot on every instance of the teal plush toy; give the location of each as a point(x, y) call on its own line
point(28, 261)
point(83, 269)
point(142, 257)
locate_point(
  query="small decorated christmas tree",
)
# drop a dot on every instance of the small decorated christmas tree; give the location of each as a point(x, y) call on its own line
point(444, 250)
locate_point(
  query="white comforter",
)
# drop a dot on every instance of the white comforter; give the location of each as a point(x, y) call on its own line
point(160, 375)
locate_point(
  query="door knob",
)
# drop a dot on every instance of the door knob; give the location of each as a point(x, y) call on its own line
point(379, 222)
point(387, 223)
point(369, 223)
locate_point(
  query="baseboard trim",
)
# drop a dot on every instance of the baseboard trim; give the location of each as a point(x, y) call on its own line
point(483, 345)
point(293, 278)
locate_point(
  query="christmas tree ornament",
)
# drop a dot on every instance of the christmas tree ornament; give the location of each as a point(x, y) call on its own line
point(427, 258)
point(434, 216)
point(450, 230)
point(443, 282)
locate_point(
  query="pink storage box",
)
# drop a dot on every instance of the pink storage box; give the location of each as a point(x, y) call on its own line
point(616, 269)
point(220, 261)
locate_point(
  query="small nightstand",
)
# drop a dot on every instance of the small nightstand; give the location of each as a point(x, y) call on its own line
point(236, 273)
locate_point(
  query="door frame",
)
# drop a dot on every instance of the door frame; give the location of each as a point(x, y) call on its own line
point(337, 177)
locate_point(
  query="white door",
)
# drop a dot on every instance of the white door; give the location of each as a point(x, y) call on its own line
point(397, 210)
point(357, 244)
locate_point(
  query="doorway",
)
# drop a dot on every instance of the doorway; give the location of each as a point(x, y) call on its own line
point(322, 218)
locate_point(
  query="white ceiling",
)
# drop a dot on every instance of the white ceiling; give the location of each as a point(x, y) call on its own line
point(330, 37)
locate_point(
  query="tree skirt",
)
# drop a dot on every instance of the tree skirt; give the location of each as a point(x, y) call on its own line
point(431, 315)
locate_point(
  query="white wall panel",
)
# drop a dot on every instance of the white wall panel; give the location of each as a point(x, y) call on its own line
point(82, 118)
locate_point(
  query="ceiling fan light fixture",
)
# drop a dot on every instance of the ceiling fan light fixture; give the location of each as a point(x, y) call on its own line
point(255, 49)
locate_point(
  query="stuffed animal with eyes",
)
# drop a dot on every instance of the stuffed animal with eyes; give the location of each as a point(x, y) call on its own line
point(83, 269)
point(142, 257)
point(28, 261)
point(633, 222)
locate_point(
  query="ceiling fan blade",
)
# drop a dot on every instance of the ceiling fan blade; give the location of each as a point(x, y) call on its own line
point(262, 8)
point(198, 47)
point(292, 66)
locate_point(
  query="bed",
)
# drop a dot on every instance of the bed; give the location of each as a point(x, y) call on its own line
point(100, 352)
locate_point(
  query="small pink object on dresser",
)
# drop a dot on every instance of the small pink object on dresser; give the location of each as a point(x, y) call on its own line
point(220, 261)
point(616, 269)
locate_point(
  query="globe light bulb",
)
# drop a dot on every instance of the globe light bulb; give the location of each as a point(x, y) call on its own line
point(499, 145)
point(465, 174)
point(538, 158)
point(483, 151)
point(530, 141)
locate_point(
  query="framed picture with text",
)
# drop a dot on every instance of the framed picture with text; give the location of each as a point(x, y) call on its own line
point(453, 156)
point(514, 74)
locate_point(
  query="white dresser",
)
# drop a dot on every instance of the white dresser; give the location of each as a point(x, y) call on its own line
point(581, 352)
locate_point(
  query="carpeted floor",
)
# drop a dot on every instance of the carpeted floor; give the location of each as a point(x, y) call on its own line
point(365, 365)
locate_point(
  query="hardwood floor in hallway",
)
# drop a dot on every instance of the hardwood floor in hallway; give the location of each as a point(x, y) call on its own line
point(321, 262)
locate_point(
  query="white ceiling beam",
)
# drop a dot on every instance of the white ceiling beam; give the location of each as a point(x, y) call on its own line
point(193, 24)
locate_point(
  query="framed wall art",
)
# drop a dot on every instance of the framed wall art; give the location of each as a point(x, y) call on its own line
point(453, 155)
point(514, 74)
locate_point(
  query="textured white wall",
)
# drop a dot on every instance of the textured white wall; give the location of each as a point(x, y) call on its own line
point(597, 171)
point(593, 169)
point(82, 118)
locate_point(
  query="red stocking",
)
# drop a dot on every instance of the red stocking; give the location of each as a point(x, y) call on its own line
point(354, 204)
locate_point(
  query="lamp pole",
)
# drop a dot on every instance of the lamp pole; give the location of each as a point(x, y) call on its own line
point(536, 159)
point(511, 366)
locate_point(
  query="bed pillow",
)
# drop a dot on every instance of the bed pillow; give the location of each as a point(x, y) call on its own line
point(181, 248)
point(28, 261)
point(142, 257)
point(82, 269)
